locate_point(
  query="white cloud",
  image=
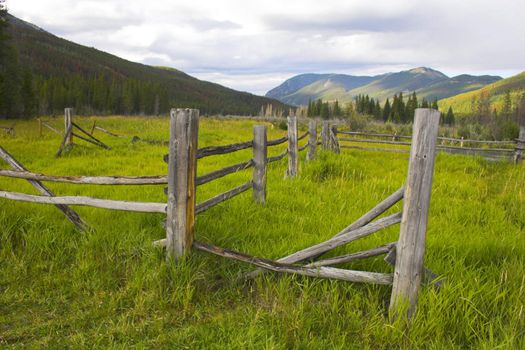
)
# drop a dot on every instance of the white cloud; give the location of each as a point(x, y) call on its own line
point(255, 45)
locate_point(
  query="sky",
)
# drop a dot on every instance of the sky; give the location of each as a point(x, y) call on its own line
point(255, 45)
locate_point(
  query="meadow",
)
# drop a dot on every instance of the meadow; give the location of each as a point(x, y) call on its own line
point(110, 288)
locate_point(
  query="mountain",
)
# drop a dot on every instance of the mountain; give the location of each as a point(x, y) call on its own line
point(462, 103)
point(427, 82)
point(68, 74)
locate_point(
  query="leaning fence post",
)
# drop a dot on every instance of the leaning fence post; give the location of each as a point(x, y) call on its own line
point(293, 149)
point(520, 146)
point(312, 139)
point(182, 170)
point(67, 125)
point(260, 156)
point(325, 140)
point(411, 243)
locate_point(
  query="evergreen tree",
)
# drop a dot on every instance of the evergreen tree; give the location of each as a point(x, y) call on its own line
point(435, 104)
point(449, 118)
point(386, 110)
point(424, 103)
point(325, 112)
point(336, 112)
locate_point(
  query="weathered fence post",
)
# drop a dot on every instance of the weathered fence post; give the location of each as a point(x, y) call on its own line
point(182, 170)
point(67, 126)
point(312, 139)
point(325, 137)
point(461, 142)
point(260, 158)
point(333, 137)
point(520, 146)
point(293, 149)
point(411, 243)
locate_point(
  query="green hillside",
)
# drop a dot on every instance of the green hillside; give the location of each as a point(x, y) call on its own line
point(93, 81)
point(462, 103)
point(426, 82)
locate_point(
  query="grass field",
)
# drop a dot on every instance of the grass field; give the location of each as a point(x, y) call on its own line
point(109, 288)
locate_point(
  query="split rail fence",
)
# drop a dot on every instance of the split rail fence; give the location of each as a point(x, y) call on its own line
point(181, 209)
point(492, 150)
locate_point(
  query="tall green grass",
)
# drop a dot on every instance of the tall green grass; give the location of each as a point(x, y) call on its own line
point(109, 288)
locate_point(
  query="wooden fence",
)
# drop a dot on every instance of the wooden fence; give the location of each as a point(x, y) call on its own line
point(492, 150)
point(181, 208)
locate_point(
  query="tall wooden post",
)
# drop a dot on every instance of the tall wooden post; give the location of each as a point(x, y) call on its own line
point(312, 139)
point(260, 155)
point(333, 138)
point(411, 244)
point(68, 112)
point(293, 148)
point(182, 170)
point(520, 146)
point(325, 135)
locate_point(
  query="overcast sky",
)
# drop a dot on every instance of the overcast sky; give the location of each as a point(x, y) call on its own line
point(254, 45)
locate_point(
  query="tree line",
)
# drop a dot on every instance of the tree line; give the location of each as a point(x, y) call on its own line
point(398, 111)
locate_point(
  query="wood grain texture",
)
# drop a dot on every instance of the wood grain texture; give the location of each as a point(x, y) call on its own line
point(202, 207)
point(182, 170)
point(384, 249)
point(320, 272)
point(312, 140)
point(336, 241)
point(411, 243)
point(88, 180)
point(217, 174)
point(144, 207)
point(293, 151)
point(325, 135)
point(260, 158)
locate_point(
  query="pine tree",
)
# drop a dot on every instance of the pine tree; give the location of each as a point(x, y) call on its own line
point(435, 104)
point(424, 103)
point(450, 119)
point(325, 111)
point(386, 110)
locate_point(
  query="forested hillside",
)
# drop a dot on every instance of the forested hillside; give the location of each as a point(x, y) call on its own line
point(46, 73)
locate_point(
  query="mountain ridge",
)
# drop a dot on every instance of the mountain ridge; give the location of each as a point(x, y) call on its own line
point(94, 81)
point(427, 82)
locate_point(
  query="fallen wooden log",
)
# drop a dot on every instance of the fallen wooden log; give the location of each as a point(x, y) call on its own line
point(375, 135)
point(337, 241)
point(144, 207)
point(384, 249)
point(222, 197)
point(70, 214)
point(373, 213)
point(320, 272)
point(87, 180)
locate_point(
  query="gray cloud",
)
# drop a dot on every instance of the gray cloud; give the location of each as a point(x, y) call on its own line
point(255, 45)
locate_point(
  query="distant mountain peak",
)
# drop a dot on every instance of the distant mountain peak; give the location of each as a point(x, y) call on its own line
point(425, 81)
